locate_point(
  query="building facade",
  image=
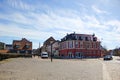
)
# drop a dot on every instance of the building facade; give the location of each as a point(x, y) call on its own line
point(55, 48)
point(22, 46)
point(47, 44)
point(79, 46)
point(2, 46)
point(8, 47)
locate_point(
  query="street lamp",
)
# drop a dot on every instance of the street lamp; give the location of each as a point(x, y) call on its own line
point(51, 43)
point(51, 52)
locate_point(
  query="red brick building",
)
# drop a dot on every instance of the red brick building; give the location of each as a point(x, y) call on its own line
point(80, 45)
point(22, 46)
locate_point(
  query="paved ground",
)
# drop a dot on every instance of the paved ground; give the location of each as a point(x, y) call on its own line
point(113, 68)
point(43, 69)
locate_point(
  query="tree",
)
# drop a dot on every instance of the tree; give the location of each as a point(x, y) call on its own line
point(1, 46)
point(105, 50)
point(116, 52)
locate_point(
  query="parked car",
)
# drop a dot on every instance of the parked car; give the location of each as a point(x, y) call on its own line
point(44, 55)
point(108, 57)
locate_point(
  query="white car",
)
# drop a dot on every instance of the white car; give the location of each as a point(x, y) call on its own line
point(44, 55)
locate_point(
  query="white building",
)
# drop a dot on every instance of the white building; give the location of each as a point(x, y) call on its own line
point(55, 48)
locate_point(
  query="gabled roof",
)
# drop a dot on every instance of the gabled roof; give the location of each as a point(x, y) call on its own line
point(47, 42)
point(23, 39)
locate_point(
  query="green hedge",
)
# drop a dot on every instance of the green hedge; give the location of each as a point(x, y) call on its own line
point(14, 55)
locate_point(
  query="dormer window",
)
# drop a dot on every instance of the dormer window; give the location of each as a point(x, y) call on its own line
point(80, 38)
point(86, 38)
point(94, 39)
point(76, 37)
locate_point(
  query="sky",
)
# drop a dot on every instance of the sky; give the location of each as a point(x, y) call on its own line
point(37, 20)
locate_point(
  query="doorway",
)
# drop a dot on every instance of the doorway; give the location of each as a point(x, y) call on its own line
point(78, 54)
point(70, 55)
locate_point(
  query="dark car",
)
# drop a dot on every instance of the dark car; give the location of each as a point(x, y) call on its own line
point(108, 57)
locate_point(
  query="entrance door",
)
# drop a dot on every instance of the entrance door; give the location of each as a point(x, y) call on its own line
point(78, 54)
point(70, 55)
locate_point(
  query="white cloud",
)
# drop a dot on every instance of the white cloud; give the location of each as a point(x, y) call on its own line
point(13, 30)
point(91, 19)
point(97, 10)
point(19, 18)
point(115, 24)
point(55, 20)
point(19, 4)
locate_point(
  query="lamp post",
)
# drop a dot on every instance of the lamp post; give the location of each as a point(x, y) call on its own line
point(51, 52)
point(51, 43)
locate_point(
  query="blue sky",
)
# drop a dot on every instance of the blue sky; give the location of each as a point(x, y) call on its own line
point(37, 20)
